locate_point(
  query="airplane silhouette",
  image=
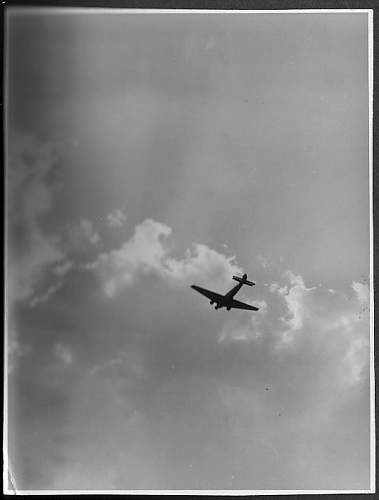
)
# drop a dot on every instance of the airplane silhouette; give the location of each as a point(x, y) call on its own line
point(227, 300)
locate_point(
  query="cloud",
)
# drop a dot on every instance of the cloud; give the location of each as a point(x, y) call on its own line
point(244, 332)
point(362, 291)
point(295, 298)
point(275, 287)
point(311, 322)
point(181, 408)
point(356, 360)
point(292, 314)
point(165, 370)
point(16, 350)
point(30, 248)
point(174, 379)
point(264, 261)
point(315, 315)
point(144, 252)
point(81, 236)
point(63, 268)
point(127, 364)
point(63, 354)
point(202, 262)
point(117, 218)
point(148, 252)
point(39, 299)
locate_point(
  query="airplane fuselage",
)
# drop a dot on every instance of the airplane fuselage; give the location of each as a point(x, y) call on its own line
point(225, 301)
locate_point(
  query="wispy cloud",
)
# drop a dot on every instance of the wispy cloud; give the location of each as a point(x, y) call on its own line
point(16, 351)
point(40, 298)
point(295, 300)
point(31, 249)
point(362, 291)
point(63, 354)
point(63, 268)
point(264, 261)
point(81, 236)
point(117, 218)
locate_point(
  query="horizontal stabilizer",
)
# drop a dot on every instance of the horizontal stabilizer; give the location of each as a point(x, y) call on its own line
point(244, 281)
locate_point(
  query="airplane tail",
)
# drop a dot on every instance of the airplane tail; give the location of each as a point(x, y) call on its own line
point(244, 280)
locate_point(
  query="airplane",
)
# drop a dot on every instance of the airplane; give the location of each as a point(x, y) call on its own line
point(227, 300)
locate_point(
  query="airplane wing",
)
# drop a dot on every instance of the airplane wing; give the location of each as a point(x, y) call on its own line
point(236, 304)
point(211, 295)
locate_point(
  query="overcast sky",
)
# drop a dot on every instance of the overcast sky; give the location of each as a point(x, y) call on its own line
point(150, 152)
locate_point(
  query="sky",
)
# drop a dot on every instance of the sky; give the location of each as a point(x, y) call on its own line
point(150, 152)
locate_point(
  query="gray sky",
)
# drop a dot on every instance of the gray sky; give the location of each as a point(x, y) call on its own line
point(149, 152)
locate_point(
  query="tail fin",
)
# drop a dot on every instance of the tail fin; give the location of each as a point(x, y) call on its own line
point(244, 280)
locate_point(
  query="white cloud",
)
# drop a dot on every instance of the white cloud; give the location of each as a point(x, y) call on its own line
point(63, 354)
point(63, 268)
point(16, 350)
point(117, 218)
point(295, 298)
point(264, 261)
point(82, 235)
point(318, 316)
point(247, 331)
point(362, 291)
point(87, 227)
point(128, 364)
point(356, 360)
point(276, 288)
point(263, 307)
point(38, 299)
point(143, 252)
point(148, 251)
point(202, 262)
point(252, 328)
